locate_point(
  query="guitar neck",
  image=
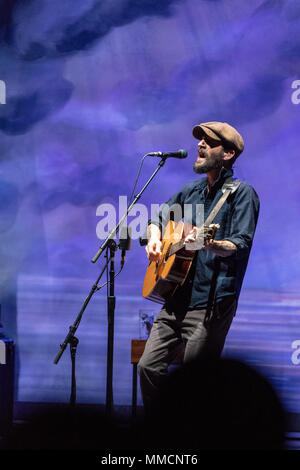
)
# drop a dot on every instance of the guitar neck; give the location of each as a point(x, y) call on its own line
point(176, 247)
point(206, 234)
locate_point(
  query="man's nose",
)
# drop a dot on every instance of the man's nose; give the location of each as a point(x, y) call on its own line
point(202, 143)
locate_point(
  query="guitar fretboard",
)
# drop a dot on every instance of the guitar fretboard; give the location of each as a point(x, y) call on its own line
point(176, 247)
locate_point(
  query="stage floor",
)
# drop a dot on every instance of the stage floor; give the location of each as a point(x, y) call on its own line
point(27, 412)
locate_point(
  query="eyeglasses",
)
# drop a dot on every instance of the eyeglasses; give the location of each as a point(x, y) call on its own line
point(210, 141)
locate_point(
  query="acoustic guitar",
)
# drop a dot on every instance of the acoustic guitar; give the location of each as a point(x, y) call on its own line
point(164, 276)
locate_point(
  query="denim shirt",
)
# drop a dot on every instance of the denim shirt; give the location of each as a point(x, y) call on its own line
point(237, 218)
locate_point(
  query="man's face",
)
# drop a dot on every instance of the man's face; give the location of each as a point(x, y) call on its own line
point(210, 155)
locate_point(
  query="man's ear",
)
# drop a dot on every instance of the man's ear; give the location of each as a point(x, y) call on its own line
point(228, 154)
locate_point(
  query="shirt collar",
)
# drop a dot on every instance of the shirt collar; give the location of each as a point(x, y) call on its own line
point(224, 173)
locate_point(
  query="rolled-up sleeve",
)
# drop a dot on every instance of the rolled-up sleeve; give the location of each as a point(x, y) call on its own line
point(244, 215)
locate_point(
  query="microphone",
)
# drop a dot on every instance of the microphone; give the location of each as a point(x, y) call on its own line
point(179, 154)
point(125, 242)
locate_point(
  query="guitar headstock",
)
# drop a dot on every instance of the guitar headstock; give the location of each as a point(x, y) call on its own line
point(200, 236)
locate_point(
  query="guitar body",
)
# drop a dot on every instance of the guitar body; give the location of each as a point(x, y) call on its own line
point(164, 276)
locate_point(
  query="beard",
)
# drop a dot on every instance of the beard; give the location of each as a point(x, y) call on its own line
point(210, 163)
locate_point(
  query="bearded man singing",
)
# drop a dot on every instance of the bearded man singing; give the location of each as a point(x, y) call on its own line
point(200, 312)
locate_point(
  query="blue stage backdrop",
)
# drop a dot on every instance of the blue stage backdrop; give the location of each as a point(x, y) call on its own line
point(87, 88)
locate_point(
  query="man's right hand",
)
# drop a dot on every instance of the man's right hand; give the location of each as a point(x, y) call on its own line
point(153, 249)
point(154, 244)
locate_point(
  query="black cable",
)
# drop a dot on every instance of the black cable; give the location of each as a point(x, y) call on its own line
point(107, 282)
point(130, 199)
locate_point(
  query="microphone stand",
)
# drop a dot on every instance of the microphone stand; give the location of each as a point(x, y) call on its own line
point(71, 338)
point(108, 243)
point(111, 303)
point(73, 349)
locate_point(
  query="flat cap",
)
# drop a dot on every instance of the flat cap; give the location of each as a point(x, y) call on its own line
point(221, 131)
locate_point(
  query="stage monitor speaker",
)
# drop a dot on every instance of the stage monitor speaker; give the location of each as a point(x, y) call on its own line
point(7, 356)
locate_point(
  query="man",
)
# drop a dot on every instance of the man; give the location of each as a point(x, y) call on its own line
point(201, 310)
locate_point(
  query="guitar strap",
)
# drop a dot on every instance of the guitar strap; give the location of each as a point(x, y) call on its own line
point(229, 187)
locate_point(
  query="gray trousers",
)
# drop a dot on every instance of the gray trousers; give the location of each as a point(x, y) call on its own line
point(203, 336)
